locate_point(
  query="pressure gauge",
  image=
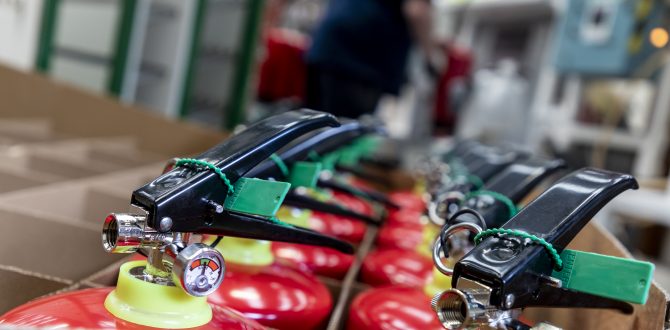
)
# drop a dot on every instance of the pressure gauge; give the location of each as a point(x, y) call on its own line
point(199, 269)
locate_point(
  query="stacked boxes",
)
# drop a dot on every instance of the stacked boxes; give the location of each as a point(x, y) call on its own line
point(68, 159)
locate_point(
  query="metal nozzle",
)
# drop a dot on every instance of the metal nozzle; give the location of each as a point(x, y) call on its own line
point(458, 309)
point(122, 233)
point(468, 307)
point(127, 233)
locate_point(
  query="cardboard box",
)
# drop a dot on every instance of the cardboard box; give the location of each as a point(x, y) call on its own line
point(31, 285)
point(50, 232)
point(51, 132)
point(123, 183)
point(17, 179)
point(653, 315)
point(73, 112)
point(73, 202)
point(17, 131)
point(592, 238)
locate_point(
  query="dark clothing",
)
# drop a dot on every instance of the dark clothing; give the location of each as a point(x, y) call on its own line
point(365, 40)
point(340, 95)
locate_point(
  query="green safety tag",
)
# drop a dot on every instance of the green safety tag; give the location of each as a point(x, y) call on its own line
point(606, 276)
point(368, 144)
point(328, 161)
point(320, 194)
point(305, 174)
point(349, 156)
point(256, 196)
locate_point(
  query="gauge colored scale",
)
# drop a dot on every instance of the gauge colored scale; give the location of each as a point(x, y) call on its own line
point(202, 275)
point(208, 263)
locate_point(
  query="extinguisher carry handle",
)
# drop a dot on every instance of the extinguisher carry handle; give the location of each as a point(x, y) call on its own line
point(509, 264)
point(184, 194)
point(321, 142)
point(514, 182)
point(305, 201)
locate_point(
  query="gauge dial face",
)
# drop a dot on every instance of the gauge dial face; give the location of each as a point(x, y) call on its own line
point(203, 273)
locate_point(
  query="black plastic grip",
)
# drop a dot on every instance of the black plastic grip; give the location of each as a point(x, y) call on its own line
point(515, 182)
point(182, 194)
point(322, 141)
point(510, 264)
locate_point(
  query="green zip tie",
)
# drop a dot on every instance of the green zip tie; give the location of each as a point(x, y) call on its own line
point(475, 180)
point(556, 258)
point(330, 160)
point(313, 156)
point(202, 163)
point(276, 221)
point(513, 210)
point(280, 164)
point(457, 168)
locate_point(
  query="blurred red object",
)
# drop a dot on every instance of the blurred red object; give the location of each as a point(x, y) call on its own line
point(282, 72)
point(459, 66)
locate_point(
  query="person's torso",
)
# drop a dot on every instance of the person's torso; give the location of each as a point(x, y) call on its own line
point(368, 39)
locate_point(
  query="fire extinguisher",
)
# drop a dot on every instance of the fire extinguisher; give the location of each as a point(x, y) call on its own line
point(135, 303)
point(344, 228)
point(316, 202)
point(308, 164)
point(204, 195)
point(526, 262)
point(496, 202)
point(274, 294)
point(438, 305)
point(468, 171)
point(318, 260)
point(397, 307)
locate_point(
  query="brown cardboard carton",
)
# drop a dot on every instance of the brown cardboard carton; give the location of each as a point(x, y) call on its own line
point(76, 113)
point(50, 233)
point(17, 131)
point(59, 224)
point(16, 179)
point(51, 246)
point(110, 153)
point(19, 286)
point(652, 315)
point(73, 202)
point(27, 159)
point(593, 239)
point(350, 286)
point(123, 183)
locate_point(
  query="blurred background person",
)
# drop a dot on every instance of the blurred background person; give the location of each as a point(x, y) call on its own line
point(360, 50)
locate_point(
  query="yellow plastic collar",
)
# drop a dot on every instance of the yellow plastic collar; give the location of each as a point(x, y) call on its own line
point(425, 248)
point(420, 187)
point(439, 282)
point(295, 216)
point(243, 251)
point(155, 305)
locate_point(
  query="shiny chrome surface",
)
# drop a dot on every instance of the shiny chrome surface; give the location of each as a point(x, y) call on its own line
point(445, 206)
point(468, 307)
point(127, 233)
point(437, 246)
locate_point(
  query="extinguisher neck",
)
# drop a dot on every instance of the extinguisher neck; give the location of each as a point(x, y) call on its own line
point(155, 305)
point(247, 252)
point(438, 282)
point(294, 216)
point(428, 234)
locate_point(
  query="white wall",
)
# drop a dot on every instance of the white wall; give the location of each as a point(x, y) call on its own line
point(19, 31)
